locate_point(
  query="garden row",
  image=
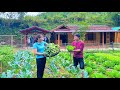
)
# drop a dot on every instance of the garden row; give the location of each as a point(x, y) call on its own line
point(22, 64)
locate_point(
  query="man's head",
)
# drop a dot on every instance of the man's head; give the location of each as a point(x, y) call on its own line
point(77, 37)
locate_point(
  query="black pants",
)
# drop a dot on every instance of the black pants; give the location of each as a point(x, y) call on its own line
point(40, 66)
point(77, 61)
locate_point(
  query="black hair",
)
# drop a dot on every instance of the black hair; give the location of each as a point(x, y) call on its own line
point(78, 35)
point(36, 39)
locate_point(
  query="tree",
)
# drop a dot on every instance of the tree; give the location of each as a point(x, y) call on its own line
point(115, 17)
point(21, 15)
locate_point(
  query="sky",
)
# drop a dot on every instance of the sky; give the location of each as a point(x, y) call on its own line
point(33, 13)
point(28, 13)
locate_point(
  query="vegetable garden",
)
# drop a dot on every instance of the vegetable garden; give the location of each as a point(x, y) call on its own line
point(22, 64)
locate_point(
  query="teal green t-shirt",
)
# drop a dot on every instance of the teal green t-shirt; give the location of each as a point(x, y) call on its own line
point(40, 48)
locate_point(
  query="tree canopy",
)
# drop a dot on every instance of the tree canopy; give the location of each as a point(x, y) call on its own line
point(50, 20)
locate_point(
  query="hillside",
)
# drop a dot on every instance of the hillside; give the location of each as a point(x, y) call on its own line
point(50, 20)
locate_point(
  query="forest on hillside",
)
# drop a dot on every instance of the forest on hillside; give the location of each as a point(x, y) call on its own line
point(50, 20)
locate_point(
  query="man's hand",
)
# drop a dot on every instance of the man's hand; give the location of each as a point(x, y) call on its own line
point(71, 51)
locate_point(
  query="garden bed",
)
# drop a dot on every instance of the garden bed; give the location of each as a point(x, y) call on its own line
point(97, 64)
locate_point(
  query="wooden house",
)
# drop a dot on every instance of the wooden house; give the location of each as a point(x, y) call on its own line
point(100, 34)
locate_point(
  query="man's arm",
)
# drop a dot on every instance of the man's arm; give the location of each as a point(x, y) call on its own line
point(77, 50)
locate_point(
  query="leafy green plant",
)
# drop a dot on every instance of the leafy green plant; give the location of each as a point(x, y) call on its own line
point(70, 47)
point(53, 67)
point(113, 74)
point(116, 61)
point(91, 64)
point(102, 70)
point(98, 75)
point(89, 70)
point(6, 55)
point(21, 66)
point(108, 64)
point(95, 66)
point(117, 67)
point(52, 49)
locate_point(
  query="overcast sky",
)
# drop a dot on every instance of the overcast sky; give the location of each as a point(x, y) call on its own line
point(28, 13)
point(33, 13)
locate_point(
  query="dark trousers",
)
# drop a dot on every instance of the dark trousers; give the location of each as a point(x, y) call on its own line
point(77, 61)
point(40, 66)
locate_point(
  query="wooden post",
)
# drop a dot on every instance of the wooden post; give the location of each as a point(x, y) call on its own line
point(96, 39)
point(25, 40)
point(0, 67)
point(58, 38)
point(11, 40)
point(117, 37)
point(103, 39)
point(21, 41)
point(99, 40)
point(107, 37)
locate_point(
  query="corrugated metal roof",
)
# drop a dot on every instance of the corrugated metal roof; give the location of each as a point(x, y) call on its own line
point(65, 31)
point(102, 31)
point(99, 27)
point(89, 31)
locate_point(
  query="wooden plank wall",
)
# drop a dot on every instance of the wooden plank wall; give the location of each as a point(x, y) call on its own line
point(70, 38)
point(107, 37)
point(119, 37)
point(98, 37)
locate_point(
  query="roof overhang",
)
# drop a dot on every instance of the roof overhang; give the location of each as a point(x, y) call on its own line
point(102, 31)
point(34, 29)
point(70, 31)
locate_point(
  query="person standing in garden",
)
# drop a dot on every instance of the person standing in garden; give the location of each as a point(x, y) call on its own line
point(38, 49)
point(78, 52)
point(31, 41)
point(46, 39)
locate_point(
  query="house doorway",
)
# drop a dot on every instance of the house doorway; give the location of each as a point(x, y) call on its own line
point(64, 38)
point(112, 36)
point(101, 33)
